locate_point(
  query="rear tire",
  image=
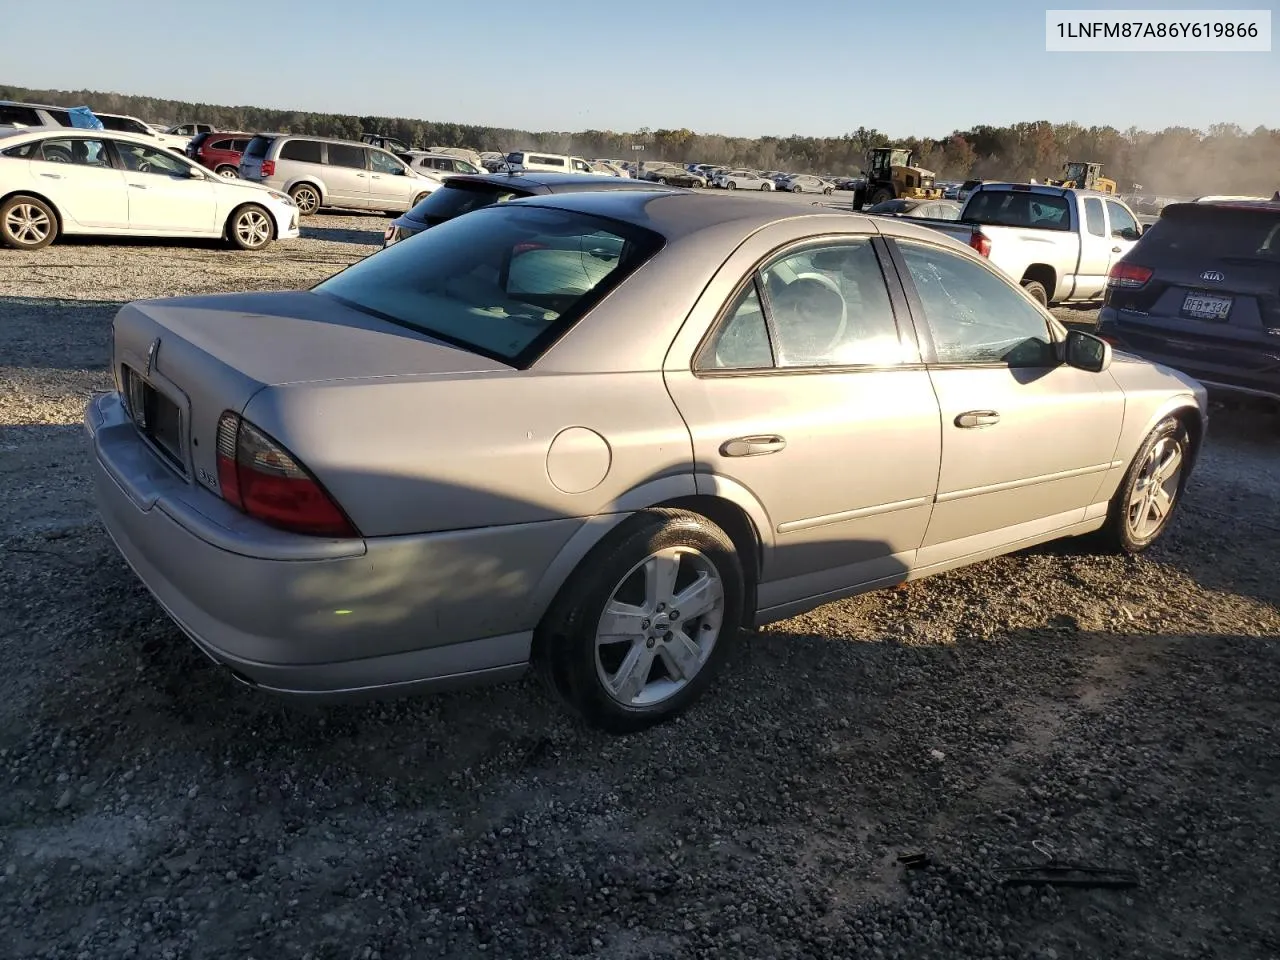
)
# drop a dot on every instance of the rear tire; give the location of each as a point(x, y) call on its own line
point(1151, 489)
point(307, 198)
point(228, 172)
point(418, 199)
point(651, 562)
point(828, 191)
point(27, 223)
point(1036, 291)
point(880, 195)
point(731, 185)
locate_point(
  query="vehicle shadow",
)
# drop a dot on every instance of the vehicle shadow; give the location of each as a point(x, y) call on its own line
point(77, 332)
point(313, 231)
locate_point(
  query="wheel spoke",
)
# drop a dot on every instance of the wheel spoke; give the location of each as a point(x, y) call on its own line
point(660, 573)
point(681, 656)
point(1161, 504)
point(633, 673)
point(1170, 463)
point(621, 621)
point(698, 598)
point(1139, 494)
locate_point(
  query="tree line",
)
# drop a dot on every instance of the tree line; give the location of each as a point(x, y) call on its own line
point(1176, 161)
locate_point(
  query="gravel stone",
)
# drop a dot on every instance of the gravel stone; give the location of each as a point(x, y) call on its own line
point(1118, 712)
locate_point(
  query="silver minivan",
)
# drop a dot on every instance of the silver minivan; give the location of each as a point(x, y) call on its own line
point(319, 172)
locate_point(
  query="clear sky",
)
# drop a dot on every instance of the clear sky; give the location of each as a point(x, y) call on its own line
point(739, 67)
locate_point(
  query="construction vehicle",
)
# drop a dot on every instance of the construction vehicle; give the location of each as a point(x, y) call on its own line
point(1082, 175)
point(892, 174)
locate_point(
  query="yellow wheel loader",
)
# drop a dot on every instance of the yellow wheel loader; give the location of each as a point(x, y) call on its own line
point(892, 174)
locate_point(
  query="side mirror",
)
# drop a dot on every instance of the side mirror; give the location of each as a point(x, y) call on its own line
point(195, 173)
point(1084, 351)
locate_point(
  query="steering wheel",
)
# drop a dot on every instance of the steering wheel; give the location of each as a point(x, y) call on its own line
point(144, 166)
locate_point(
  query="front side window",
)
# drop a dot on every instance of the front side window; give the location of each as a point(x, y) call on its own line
point(346, 155)
point(126, 125)
point(385, 163)
point(973, 315)
point(825, 306)
point(505, 281)
point(82, 152)
point(150, 160)
point(1123, 226)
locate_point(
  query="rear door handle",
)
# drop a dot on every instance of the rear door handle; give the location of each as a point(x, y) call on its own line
point(1115, 250)
point(52, 176)
point(138, 186)
point(752, 446)
point(978, 418)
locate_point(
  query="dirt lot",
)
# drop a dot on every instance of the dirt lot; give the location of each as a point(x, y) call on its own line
point(1122, 711)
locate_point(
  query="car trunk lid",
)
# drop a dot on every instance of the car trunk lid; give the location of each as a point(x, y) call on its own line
point(180, 363)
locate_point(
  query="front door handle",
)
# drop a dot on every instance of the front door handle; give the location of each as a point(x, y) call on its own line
point(1115, 249)
point(52, 176)
point(978, 418)
point(138, 186)
point(752, 446)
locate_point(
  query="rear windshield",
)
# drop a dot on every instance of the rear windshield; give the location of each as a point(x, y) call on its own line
point(1215, 233)
point(1015, 208)
point(258, 146)
point(455, 199)
point(505, 282)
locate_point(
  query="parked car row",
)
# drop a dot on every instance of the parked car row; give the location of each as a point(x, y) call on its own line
point(22, 116)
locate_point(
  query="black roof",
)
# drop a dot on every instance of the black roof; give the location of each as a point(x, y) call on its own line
point(542, 182)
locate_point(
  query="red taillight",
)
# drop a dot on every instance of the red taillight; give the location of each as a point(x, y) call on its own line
point(268, 168)
point(1128, 275)
point(980, 242)
point(260, 477)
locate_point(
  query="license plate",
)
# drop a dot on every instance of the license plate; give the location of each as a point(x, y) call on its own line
point(1202, 306)
point(155, 415)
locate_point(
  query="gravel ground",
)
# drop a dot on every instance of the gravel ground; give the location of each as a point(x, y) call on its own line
point(1123, 712)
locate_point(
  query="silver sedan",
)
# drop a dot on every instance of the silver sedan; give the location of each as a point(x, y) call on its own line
point(603, 433)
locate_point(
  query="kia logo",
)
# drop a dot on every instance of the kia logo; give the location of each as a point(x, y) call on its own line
point(1212, 276)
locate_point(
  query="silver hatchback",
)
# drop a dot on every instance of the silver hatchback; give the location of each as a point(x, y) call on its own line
point(319, 172)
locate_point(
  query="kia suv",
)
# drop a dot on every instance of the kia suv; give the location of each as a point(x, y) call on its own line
point(1200, 292)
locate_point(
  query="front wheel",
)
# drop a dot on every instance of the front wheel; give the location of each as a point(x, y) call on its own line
point(27, 223)
point(646, 621)
point(228, 172)
point(797, 189)
point(418, 199)
point(1151, 489)
point(827, 192)
point(731, 185)
point(250, 228)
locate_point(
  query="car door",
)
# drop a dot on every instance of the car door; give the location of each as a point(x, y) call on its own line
point(1026, 440)
point(1123, 230)
point(392, 186)
point(77, 174)
point(347, 176)
point(163, 195)
point(1095, 251)
point(808, 393)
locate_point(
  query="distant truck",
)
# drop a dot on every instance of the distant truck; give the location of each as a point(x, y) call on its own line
point(1059, 243)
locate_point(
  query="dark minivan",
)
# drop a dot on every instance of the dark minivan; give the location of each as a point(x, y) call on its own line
point(1200, 292)
point(466, 192)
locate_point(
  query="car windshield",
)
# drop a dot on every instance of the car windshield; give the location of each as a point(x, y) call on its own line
point(1217, 233)
point(506, 281)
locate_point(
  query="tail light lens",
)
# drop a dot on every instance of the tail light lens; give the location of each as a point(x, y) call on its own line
point(980, 242)
point(1128, 276)
point(260, 477)
point(268, 168)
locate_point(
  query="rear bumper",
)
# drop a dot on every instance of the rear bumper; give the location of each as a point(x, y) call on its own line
point(337, 618)
point(1211, 364)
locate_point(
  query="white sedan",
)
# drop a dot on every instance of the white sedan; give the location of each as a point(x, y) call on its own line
point(75, 181)
point(743, 180)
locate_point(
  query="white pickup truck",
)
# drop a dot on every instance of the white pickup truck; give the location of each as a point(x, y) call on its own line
point(1058, 243)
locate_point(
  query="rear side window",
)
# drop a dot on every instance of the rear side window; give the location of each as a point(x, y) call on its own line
point(504, 282)
point(1209, 233)
point(346, 155)
point(18, 116)
point(1016, 208)
point(308, 151)
point(258, 146)
point(220, 145)
point(24, 151)
point(123, 124)
point(239, 145)
point(1093, 218)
